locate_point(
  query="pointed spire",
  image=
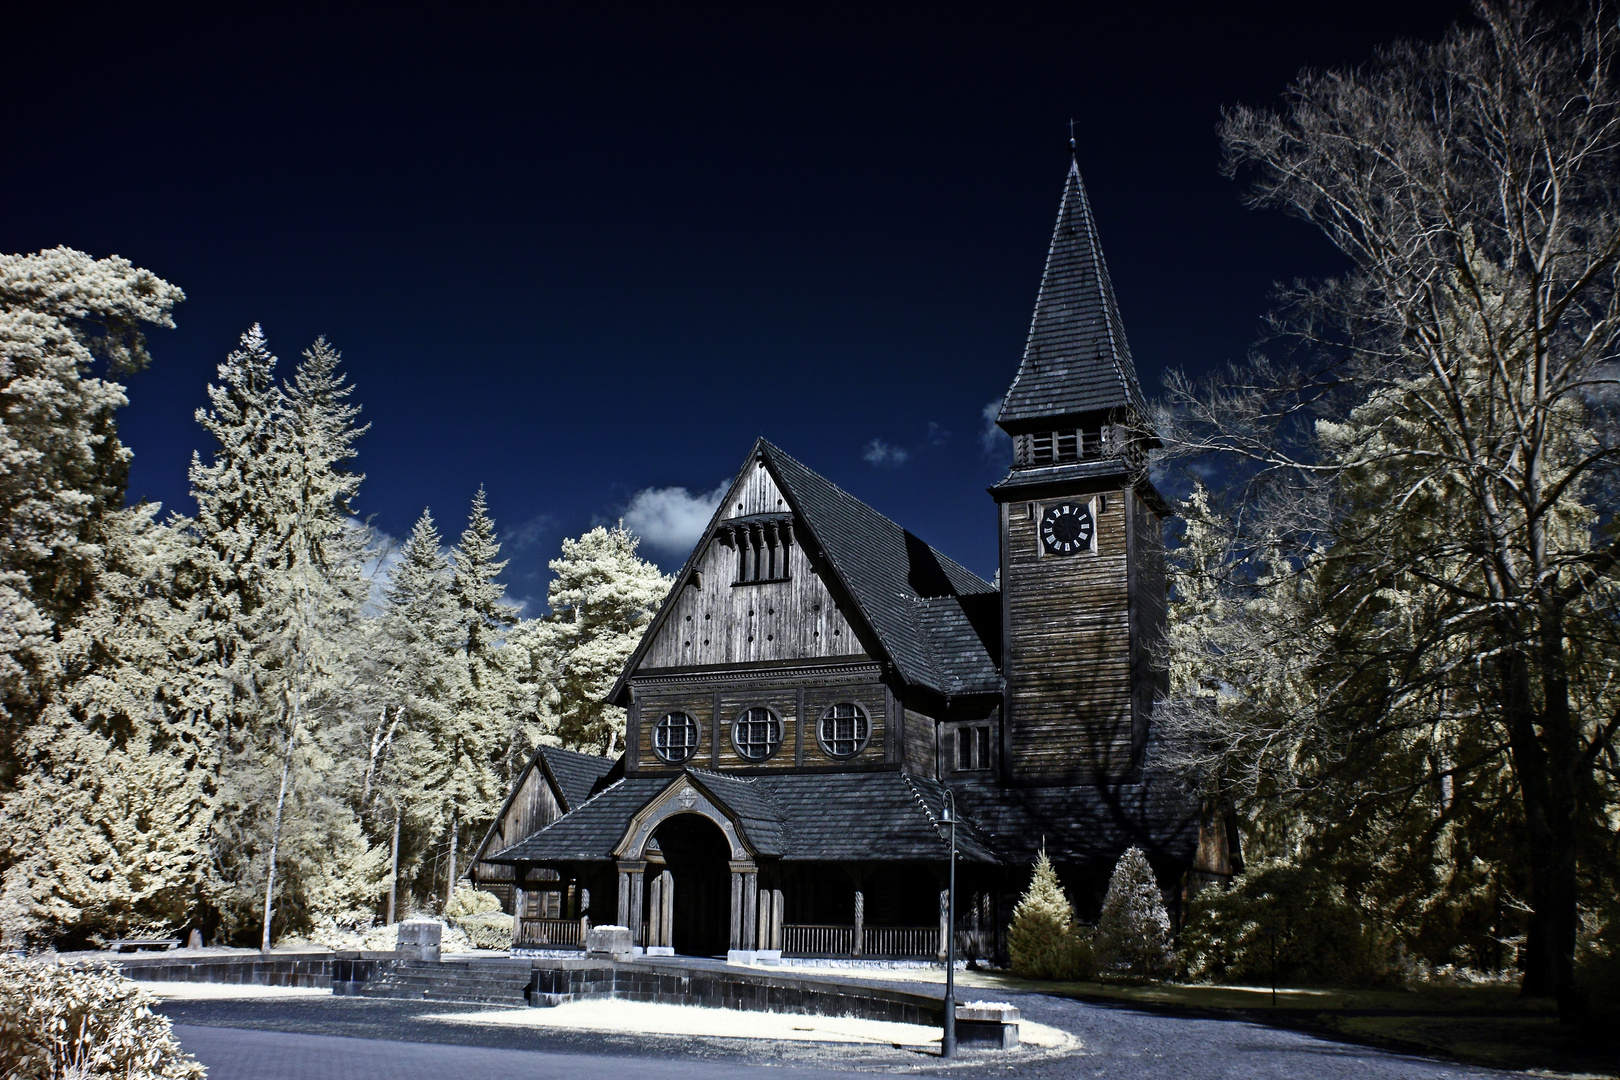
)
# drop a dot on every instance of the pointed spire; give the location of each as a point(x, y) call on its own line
point(1076, 359)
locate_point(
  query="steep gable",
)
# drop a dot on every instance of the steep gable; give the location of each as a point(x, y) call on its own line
point(856, 585)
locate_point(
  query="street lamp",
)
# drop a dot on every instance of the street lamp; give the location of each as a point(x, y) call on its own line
point(948, 1041)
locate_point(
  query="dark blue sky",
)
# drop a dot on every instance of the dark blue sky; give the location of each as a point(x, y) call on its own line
point(574, 252)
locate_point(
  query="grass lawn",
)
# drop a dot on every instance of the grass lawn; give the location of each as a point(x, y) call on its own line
point(1481, 1025)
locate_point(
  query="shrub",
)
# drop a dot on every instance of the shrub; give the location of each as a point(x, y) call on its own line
point(1133, 931)
point(59, 1022)
point(489, 930)
point(1320, 938)
point(471, 902)
point(1043, 941)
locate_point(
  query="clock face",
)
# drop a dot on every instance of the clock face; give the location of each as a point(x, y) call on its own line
point(1066, 528)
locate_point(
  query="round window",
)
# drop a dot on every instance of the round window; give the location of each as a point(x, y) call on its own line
point(844, 730)
point(757, 733)
point(675, 737)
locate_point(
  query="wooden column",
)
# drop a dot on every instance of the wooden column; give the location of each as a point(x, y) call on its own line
point(736, 907)
point(750, 909)
point(669, 909)
point(631, 874)
point(637, 881)
point(655, 913)
point(860, 922)
point(518, 874)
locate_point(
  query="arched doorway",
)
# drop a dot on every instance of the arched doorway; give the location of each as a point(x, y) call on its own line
point(698, 858)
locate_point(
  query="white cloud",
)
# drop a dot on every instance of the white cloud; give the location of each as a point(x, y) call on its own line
point(997, 443)
point(938, 434)
point(527, 534)
point(879, 452)
point(671, 519)
point(382, 555)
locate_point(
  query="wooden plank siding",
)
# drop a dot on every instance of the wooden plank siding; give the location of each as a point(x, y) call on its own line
point(534, 807)
point(1150, 615)
point(717, 621)
point(819, 688)
point(921, 751)
point(1068, 649)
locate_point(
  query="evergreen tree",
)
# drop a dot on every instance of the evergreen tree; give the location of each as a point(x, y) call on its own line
point(276, 610)
point(474, 737)
point(602, 598)
point(314, 603)
point(62, 466)
point(1133, 931)
point(424, 683)
point(81, 733)
point(1043, 941)
point(109, 823)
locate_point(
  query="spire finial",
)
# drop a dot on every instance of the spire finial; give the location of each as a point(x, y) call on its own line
point(1072, 150)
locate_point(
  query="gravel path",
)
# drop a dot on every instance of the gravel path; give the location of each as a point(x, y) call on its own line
point(323, 1038)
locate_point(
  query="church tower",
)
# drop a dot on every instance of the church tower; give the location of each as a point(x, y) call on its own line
point(1082, 558)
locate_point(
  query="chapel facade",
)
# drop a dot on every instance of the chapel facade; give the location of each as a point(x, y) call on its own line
point(821, 683)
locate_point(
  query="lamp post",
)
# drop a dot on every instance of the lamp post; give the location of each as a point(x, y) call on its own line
point(947, 1043)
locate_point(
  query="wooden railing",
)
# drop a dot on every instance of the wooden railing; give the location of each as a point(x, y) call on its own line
point(806, 939)
point(917, 942)
point(551, 933)
point(906, 941)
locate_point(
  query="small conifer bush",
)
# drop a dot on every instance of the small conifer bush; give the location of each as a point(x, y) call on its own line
point(1133, 932)
point(1043, 941)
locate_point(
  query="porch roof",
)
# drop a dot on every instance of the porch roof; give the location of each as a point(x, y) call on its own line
point(801, 817)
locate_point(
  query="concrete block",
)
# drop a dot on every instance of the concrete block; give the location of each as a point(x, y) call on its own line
point(419, 939)
point(611, 941)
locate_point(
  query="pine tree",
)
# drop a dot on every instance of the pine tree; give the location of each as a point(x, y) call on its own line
point(423, 683)
point(1133, 931)
point(1043, 941)
point(79, 721)
point(475, 738)
point(277, 610)
point(315, 597)
point(602, 598)
point(62, 467)
point(110, 821)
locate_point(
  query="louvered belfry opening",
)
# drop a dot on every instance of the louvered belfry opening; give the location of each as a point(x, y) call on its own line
point(1062, 445)
point(761, 543)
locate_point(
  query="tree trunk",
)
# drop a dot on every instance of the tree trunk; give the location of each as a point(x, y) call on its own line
point(1546, 784)
point(393, 871)
point(450, 886)
point(275, 833)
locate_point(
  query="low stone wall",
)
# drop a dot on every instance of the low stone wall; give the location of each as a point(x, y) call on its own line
point(709, 988)
point(312, 970)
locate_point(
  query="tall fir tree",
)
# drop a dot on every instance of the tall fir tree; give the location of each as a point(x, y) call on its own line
point(424, 679)
point(472, 740)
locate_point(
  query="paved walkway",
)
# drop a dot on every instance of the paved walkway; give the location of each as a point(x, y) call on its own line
point(358, 1039)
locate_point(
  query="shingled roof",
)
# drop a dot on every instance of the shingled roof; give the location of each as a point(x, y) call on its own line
point(575, 773)
point(920, 604)
point(1076, 359)
point(816, 817)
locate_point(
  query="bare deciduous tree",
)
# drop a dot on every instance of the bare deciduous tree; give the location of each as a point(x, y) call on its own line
point(1424, 489)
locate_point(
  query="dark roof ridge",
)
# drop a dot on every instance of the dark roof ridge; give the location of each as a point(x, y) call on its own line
point(777, 450)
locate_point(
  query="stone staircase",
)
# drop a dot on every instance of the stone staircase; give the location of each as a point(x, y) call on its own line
point(483, 981)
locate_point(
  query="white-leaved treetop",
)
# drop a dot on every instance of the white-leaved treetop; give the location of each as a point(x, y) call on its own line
point(97, 777)
point(602, 598)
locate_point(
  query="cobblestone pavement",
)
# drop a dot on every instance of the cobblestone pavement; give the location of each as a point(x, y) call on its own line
point(333, 1038)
